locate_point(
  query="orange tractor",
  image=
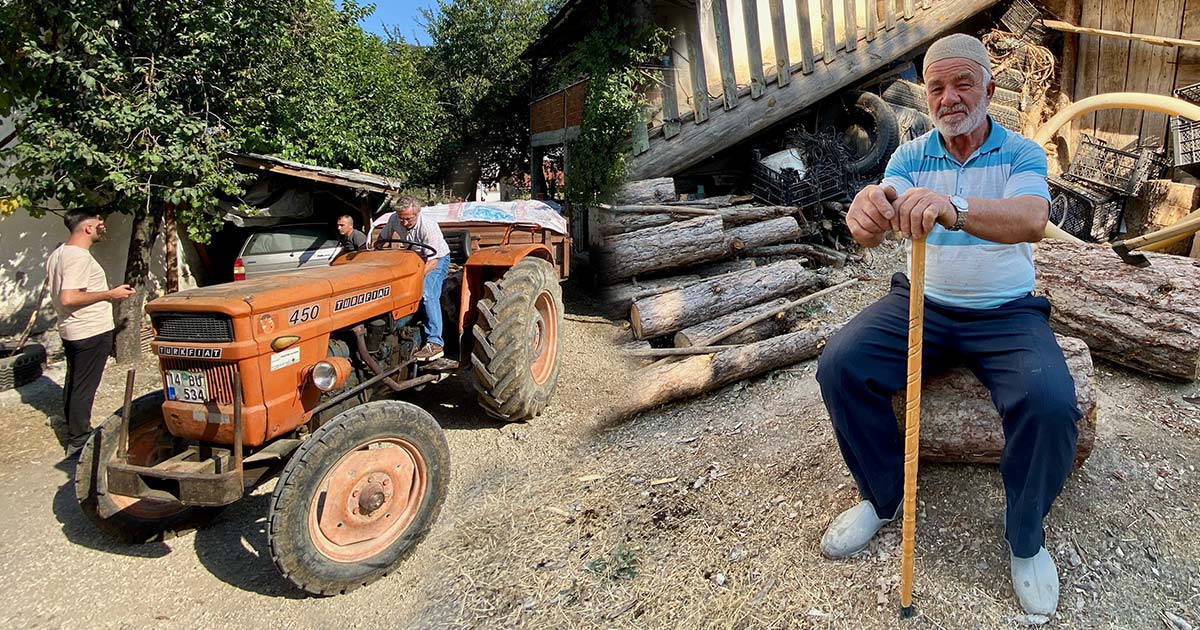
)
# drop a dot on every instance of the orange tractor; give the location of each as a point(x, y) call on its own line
point(297, 374)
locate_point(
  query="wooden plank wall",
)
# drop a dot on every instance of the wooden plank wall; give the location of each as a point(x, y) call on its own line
point(1115, 65)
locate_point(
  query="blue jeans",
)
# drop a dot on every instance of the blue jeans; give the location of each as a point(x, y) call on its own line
point(431, 301)
point(1010, 349)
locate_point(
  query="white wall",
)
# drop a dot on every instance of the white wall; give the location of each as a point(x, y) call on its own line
point(26, 242)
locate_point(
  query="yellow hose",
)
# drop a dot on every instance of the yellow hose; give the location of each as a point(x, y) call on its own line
point(1116, 100)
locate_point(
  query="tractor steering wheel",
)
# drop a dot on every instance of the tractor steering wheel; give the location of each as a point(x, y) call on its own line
point(424, 256)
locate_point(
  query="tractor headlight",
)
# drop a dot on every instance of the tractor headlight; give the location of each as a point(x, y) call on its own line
point(325, 376)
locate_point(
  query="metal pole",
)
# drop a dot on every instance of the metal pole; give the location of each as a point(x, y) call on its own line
point(237, 424)
point(123, 444)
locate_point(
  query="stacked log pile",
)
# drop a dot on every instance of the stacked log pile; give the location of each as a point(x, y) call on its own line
point(716, 290)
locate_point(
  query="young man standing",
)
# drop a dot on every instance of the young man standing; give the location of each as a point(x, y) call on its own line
point(349, 238)
point(407, 224)
point(79, 290)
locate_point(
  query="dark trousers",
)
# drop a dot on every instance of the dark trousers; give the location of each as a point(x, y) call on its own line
point(85, 366)
point(1013, 353)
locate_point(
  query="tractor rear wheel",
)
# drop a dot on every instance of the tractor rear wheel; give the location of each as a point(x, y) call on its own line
point(515, 355)
point(357, 497)
point(130, 519)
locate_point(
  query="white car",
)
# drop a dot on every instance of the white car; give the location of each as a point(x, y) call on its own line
point(286, 248)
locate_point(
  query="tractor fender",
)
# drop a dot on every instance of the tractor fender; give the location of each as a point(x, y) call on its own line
point(488, 264)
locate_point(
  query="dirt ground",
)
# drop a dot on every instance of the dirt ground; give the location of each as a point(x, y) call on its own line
point(706, 513)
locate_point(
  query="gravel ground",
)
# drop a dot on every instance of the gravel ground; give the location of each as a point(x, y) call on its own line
point(705, 513)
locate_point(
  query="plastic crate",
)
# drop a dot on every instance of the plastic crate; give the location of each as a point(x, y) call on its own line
point(788, 188)
point(1189, 93)
point(1120, 171)
point(1083, 211)
point(1023, 19)
point(1185, 141)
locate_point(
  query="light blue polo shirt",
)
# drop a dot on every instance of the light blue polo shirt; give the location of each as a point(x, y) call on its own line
point(961, 269)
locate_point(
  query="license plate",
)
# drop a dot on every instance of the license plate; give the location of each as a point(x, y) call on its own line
point(187, 386)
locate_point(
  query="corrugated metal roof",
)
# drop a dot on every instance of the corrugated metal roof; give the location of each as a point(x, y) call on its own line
point(351, 179)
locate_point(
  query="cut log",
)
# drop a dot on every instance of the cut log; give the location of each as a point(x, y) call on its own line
point(788, 312)
point(720, 268)
point(620, 297)
point(741, 215)
point(663, 383)
point(762, 234)
point(765, 329)
point(959, 422)
point(1145, 319)
point(674, 310)
point(655, 190)
point(612, 223)
point(720, 201)
point(662, 248)
point(824, 255)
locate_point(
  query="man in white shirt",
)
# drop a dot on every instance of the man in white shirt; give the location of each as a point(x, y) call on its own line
point(407, 224)
point(79, 290)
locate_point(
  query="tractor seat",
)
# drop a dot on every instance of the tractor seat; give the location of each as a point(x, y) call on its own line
point(460, 245)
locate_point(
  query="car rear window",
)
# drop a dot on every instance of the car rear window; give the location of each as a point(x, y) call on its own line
point(288, 240)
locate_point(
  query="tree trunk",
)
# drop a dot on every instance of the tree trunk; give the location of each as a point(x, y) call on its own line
point(763, 234)
point(143, 233)
point(765, 329)
point(612, 223)
point(170, 249)
point(662, 248)
point(671, 311)
point(645, 191)
point(619, 297)
point(823, 255)
point(1145, 319)
point(663, 383)
point(959, 423)
point(741, 215)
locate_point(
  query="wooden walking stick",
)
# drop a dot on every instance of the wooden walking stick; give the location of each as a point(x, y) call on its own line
point(912, 423)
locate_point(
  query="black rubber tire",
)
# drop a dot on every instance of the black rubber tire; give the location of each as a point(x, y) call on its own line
point(293, 550)
point(21, 368)
point(503, 354)
point(884, 133)
point(91, 483)
point(908, 94)
point(1010, 79)
point(1007, 98)
point(1008, 117)
point(913, 124)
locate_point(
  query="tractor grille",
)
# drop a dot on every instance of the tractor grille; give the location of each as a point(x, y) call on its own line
point(219, 376)
point(197, 327)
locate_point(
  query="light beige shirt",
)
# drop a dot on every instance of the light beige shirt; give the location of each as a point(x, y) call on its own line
point(72, 267)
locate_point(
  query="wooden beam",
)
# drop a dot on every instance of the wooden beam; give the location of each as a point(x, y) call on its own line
point(720, 12)
point(753, 47)
point(889, 14)
point(783, 66)
point(828, 37)
point(1155, 40)
point(909, 9)
point(670, 100)
point(851, 14)
point(806, 45)
point(641, 133)
point(697, 143)
point(695, 52)
point(872, 19)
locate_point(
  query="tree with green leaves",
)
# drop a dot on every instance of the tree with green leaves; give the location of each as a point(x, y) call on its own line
point(475, 60)
point(133, 105)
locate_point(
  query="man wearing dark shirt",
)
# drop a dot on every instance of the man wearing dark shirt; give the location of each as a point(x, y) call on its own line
point(349, 238)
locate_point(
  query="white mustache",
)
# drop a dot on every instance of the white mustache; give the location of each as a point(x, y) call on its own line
point(959, 108)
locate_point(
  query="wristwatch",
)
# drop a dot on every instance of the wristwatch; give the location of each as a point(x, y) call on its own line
point(960, 207)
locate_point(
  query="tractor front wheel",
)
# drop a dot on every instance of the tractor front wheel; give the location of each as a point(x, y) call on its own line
point(130, 519)
point(515, 356)
point(357, 497)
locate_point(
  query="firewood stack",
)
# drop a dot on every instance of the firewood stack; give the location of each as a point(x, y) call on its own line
point(721, 279)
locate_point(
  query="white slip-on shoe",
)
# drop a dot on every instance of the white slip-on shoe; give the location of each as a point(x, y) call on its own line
point(853, 529)
point(1035, 580)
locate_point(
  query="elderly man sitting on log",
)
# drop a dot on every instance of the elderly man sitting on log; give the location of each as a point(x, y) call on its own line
point(978, 194)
